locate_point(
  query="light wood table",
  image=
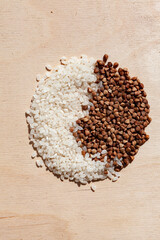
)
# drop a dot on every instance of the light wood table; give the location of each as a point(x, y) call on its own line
point(34, 204)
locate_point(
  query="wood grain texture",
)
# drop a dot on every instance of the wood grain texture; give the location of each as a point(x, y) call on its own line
point(33, 203)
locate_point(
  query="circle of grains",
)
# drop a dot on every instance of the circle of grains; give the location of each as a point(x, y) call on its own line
point(117, 118)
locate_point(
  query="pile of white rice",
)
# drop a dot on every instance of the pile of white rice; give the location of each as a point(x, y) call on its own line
point(55, 107)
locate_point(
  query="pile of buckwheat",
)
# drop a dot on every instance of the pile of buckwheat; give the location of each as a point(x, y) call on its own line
point(118, 116)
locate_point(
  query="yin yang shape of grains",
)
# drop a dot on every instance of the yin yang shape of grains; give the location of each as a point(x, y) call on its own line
point(87, 119)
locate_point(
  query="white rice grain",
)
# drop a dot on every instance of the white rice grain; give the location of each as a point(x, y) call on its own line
point(93, 187)
point(48, 67)
point(39, 163)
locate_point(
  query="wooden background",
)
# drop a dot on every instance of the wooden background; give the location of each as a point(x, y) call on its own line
point(34, 204)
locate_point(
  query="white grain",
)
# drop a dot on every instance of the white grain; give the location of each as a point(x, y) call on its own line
point(38, 77)
point(93, 187)
point(39, 163)
point(48, 67)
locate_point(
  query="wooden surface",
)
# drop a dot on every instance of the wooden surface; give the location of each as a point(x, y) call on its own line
point(34, 204)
